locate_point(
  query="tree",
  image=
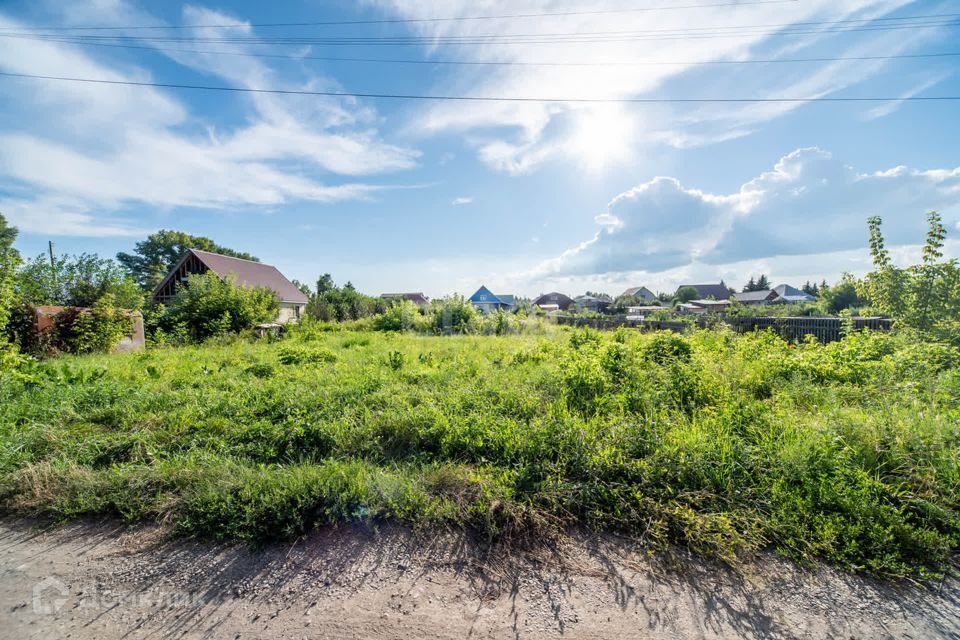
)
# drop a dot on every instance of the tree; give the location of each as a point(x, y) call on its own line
point(811, 289)
point(153, 258)
point(762, 283)
point(324, 283)
point(924, 296)
point(333, 303)
point(80, 281)
point(686, 294)
point(750, 286)
point(9, 259)
point(842, 295)
point(210, 306)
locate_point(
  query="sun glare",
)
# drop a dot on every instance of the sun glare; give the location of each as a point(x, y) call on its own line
point(602, 136)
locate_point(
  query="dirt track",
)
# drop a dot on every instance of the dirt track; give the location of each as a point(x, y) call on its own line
point(105, 581)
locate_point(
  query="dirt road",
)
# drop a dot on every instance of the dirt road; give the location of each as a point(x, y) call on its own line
point(105, 581)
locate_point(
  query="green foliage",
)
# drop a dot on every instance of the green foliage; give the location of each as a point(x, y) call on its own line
point(211, 306)
point(454, 315)
point(712, 441)
point(153, 258)
point(402, 315)
point(686, 294)
point(9, 260)
point(340, 304)
point(842, 295)
point(80, 281)
point(926, 296)
point(98, 330)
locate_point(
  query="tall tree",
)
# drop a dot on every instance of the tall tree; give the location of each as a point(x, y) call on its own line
point(762, 283)
point(9, 259)
point(153, 258)
point(751, 285)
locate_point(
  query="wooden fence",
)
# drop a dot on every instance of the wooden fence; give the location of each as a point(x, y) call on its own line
point(790, 328)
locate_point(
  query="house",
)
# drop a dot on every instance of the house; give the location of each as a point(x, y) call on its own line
point(706, 291)
point(416, 298)
point(789, 295)
point(246, 273)
point(598, 303)
point(554, 302)
point(640, 293)
point(712, 306)
point(487, 302)
point(687, 308)
point(640, 312)
point(765, 296)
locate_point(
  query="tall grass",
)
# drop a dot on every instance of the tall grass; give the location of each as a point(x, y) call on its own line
point(723, 443)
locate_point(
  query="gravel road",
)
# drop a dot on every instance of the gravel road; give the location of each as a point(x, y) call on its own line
point(101, 580)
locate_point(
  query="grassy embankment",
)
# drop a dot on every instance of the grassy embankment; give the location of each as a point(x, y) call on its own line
point(848, 452)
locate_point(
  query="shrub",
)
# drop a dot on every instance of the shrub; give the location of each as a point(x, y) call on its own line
point(212, 306)
point(454, 314)
point(315, 355)
point(666, 346)
point(402, 316)
point(96, 330)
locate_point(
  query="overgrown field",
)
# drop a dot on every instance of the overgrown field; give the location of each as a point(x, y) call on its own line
point(848, 452)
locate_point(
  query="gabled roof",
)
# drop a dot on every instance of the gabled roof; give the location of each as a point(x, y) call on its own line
point(792, 294)
point(485, 296)
point(718, 291)
point(507, 298)
point(246, 273)
point(416, 297)
point(754, 296)
point(554, 297)
point(639, 292)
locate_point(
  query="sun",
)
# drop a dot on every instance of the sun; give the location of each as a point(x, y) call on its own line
point(602, 136)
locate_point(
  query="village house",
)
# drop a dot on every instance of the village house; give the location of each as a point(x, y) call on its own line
point(554, 302)
point(486, 301)
point(640, 293)
point(707, 291)
point(245, 273)
point(416, 298)
point(598, 303)
point(782, 294)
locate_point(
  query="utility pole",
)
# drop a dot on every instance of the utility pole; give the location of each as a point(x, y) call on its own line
point(53, 267)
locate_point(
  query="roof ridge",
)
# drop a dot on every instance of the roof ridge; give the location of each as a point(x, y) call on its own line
point(223, 255)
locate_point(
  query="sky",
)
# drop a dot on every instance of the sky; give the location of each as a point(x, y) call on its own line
point(556, 192)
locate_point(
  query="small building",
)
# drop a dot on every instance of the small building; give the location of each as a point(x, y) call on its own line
point(687, 308)
point(765, 296)
point(791, 295)
point(712, 306)
point(640, 293)
point(642, 311)
point(416, 298)
point(598, 303)
point(45, 316)
point(704, 291)
point(486, 301)
point(554, 302)
point(246, 273)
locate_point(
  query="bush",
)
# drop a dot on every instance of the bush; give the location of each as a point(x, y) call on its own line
point(212, 306)
point(666, 346)
point(454, 314)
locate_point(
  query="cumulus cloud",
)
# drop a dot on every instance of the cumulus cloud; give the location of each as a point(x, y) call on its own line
point(809, 203)
point(75, 156)
point(517, 138)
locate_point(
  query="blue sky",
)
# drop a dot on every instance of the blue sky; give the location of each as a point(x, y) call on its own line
point(525, 197)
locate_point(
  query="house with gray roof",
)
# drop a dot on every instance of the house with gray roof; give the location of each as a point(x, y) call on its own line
point(705, 291)
point(640, 293)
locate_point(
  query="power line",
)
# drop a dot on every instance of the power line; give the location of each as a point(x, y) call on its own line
point(67, 40)
point(399, 96)
point(600, 37)
point(423, 20)
point(905, 21)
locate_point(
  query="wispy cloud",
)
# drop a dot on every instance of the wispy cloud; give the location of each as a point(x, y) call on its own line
point(887, 108)
point(462, 200)
point(517, 138)
point(80, 154)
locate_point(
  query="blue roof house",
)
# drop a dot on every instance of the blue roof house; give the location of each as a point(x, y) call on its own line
point(486, 301)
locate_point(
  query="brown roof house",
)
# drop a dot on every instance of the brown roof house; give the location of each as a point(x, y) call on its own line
point(246, 273)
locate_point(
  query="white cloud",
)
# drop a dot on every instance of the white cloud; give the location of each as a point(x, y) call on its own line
point(810, 203)
point(517, 138)
point(462, 200)
point(887, 108)
point(83, 153)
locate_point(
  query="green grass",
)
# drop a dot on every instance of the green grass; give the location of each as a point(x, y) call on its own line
point(720, 443)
